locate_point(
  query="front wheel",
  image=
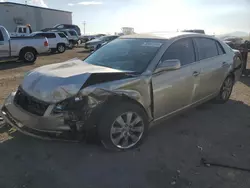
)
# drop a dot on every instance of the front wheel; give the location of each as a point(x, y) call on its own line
point(123, 127)
point(226, 90)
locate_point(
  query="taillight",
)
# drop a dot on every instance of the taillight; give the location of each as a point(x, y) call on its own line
point(46, 43)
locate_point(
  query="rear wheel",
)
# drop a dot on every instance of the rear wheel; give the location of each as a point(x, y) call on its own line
point(61, 48)
point(29, 55)
point(124, 127)
point(226, 90)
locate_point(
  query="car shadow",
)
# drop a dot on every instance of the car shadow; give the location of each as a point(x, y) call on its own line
point(245, 78)
point(84, 51)
point(12, 64)
point(169, 156)
point(47, 54)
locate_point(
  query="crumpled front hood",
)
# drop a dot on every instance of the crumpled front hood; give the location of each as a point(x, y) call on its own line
point(56, 82)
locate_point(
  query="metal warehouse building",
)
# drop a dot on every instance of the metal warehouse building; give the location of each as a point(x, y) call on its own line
point(13, 14)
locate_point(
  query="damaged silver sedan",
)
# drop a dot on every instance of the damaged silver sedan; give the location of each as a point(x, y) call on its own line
point(123, 88)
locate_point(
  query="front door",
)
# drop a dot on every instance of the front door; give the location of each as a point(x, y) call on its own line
point(173, 90)
point(4, 46)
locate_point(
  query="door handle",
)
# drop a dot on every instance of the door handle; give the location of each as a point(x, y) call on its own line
point(195, 73)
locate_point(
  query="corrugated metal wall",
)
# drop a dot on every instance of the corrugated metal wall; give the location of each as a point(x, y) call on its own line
point(12, 15)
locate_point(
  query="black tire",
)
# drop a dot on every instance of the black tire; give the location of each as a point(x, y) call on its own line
point(225, 90)
point(29, 55)
point(61, 48)
point(108, 121)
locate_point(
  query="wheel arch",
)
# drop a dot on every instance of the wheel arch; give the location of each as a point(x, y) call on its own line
point(26, 49)
point(97, 112)
point(60, 43)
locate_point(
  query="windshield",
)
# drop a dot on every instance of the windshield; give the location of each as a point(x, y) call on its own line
point(126, 54)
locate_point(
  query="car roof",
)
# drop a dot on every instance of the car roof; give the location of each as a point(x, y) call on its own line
point(162, 35)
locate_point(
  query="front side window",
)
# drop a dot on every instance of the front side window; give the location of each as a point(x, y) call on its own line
point(126, 54)
point(65, 33)
point(207, 48)
point(182, 50)
point(61, 35)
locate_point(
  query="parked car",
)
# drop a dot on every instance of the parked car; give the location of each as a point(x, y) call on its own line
point(97, 43)
point(69, 26)
point(60, 27)
point(72, 37)
point(125, 87)
point(86, 38)
point(21, 31)
point(57, 40)
point(24, 48)
point(201, 31)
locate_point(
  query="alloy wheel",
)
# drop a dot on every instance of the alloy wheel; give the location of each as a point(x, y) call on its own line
point(127, 130)
point(61, 48)
point(227, 88)
point(29, 56)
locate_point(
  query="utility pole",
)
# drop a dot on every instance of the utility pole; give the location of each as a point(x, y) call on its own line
point(84, 24)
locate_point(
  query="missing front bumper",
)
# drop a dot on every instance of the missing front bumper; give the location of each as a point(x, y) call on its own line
point(41, 134)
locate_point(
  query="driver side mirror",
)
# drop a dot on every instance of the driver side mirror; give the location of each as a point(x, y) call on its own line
point(167, 65)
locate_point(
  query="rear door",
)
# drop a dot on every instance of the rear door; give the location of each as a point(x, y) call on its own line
point(173, 90)
point(4, 46)
point(212, 67)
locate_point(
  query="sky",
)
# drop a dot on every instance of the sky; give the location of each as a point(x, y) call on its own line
point(108, 16)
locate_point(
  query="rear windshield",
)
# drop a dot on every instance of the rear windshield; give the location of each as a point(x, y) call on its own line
point(73, 33)
point(62, 35)
point(126, 54)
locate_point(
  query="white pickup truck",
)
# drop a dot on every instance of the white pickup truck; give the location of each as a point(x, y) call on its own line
point(21, 31)
point(23, 48)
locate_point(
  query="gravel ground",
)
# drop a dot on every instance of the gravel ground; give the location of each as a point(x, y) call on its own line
point(170, 157)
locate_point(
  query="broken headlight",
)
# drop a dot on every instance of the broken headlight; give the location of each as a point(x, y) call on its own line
point(67, 104)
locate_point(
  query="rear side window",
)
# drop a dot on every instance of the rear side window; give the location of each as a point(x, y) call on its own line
point(62, 35)
point(39, 35)
point(183, 50)
point(220, 49)
point(50, 35)
point(207, 48)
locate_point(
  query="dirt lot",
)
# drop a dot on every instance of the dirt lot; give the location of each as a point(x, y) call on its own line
point(170, 157)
